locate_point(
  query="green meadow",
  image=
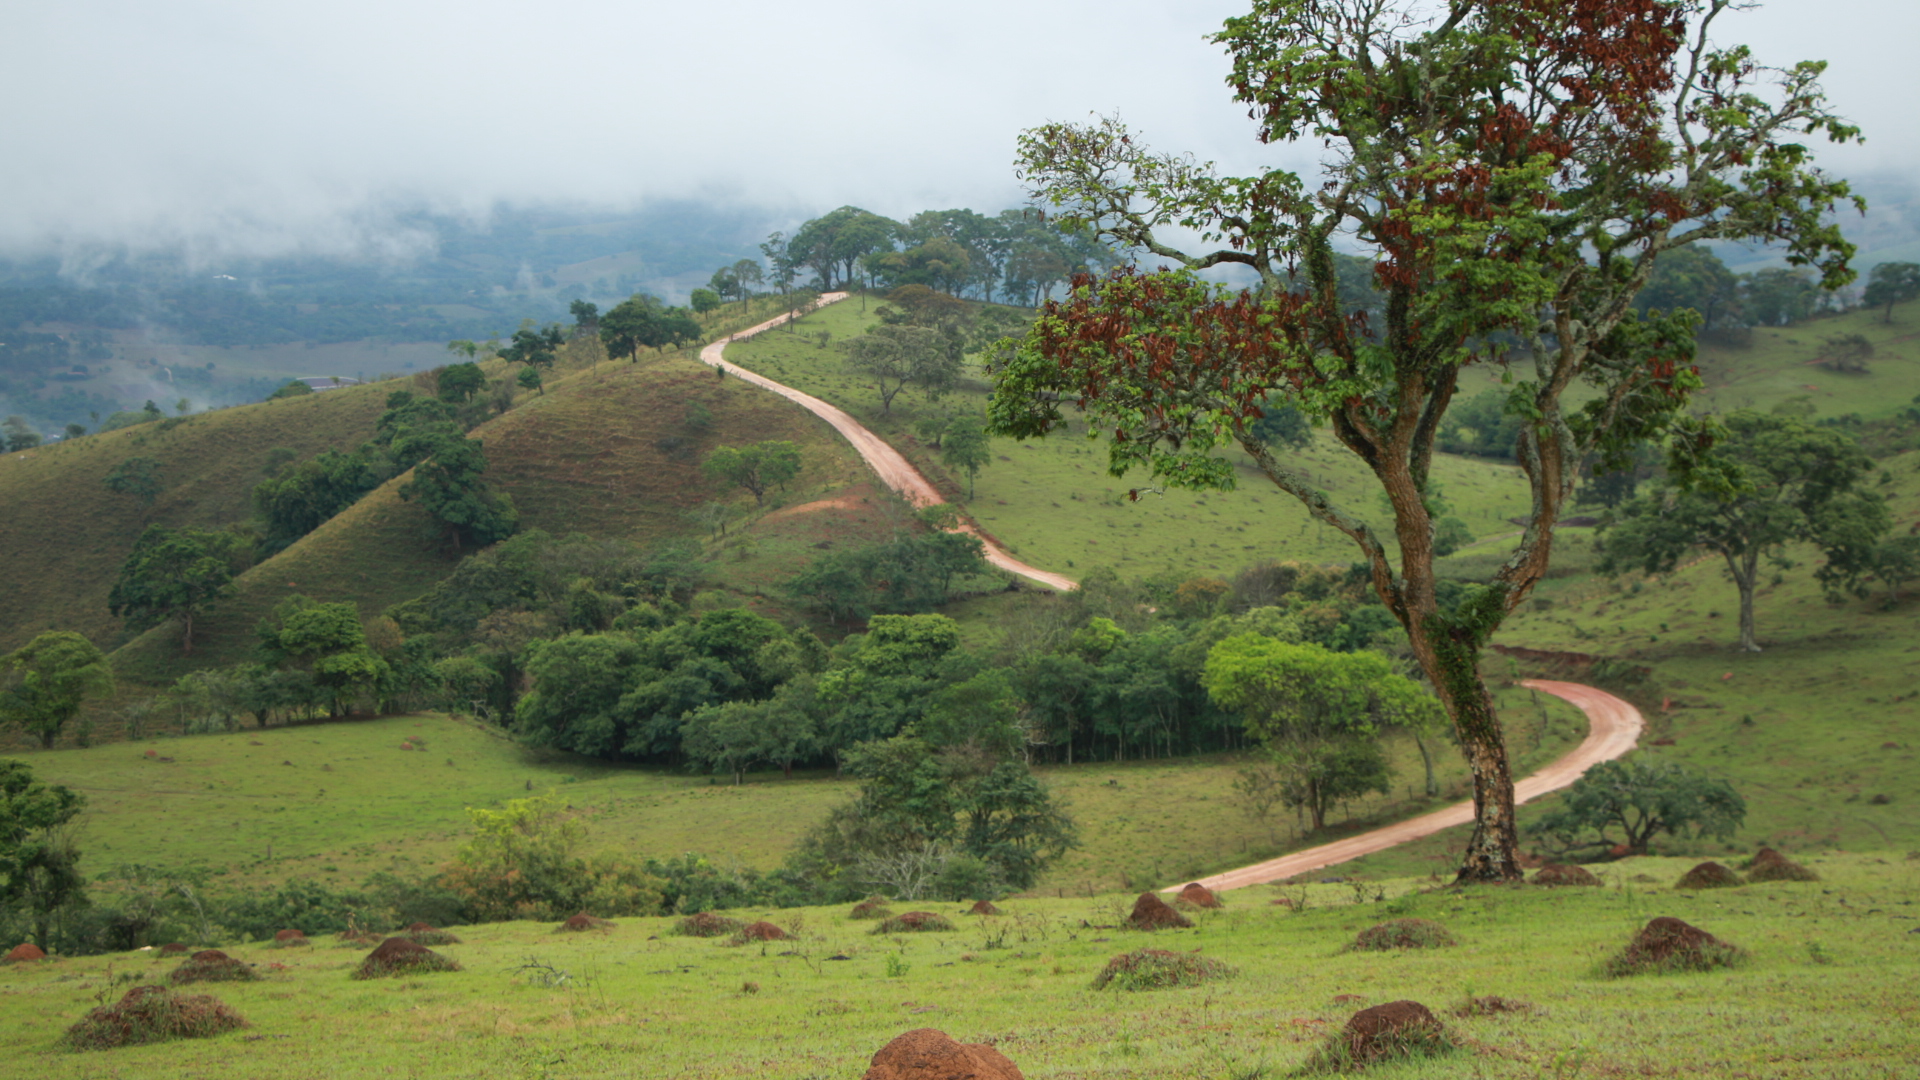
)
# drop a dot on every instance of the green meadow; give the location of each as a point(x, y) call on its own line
point(1823, 991)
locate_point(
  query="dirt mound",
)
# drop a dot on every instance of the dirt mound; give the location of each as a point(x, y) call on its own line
point(211, 965)
point(1158, 969)
point(174, 948)
point(1492, 1005)
point(1152, 913)
point(1557, 874)
point(1769, 865)
point(1199, 896)
point(290, 939)
point(398, 956)
point(1708, 875)
point(983, 907)
point(913, 922)
point(23, 952)
point(150, 1014)
point(1398, 1029)
point(707, 924)
point(927, 1054)
point(582, 923)
point(1667, 944)
point(1402, 934)
point(761, 931)
point(873, 907)
point(422, 934)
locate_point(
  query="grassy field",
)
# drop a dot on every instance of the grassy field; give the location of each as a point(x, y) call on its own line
point(1824, 992)
point(1053, 504)
point(337, 802)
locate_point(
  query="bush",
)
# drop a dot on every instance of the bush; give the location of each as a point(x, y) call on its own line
point(309, 905)
point(1158, 969)
point(150, 1014)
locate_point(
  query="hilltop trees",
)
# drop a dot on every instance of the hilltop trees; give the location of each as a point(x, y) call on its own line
point(1515, 171)
point(447, 482)
point(756, 467)
point(1772, 481)
point(644, 322)
point(174, 575)
point(39, 865)
point(44, 682)
point(897, 355)
point(537, 349)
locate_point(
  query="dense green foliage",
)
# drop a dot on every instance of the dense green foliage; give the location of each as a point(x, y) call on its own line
point(175, 574)
point(44, 682)
point(1642, 800)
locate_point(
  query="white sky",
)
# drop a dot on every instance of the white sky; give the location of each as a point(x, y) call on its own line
point(267, 125)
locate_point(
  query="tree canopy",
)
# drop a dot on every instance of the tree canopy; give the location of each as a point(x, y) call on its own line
point(175, 574)
point(1514, 171)
point(755, 467)
point(44, 682)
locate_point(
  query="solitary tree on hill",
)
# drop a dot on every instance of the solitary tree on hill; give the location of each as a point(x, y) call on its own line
point(175, 574)
point(757, 468)
point(1891, 282)
point(1513, 169)
point(1771, 482)
point(44, 682)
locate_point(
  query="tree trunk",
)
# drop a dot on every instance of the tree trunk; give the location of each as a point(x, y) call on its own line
point(1426, 759)
point(47, 736)
point(1492, 851)
point(1744, 574)
point(186, 633)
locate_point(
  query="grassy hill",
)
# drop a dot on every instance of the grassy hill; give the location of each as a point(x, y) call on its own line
point(1053, 504)
point(65, 535)
point(612, 451)
point(531, 1002)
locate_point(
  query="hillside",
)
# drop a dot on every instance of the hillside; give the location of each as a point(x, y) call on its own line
point(612, 450)
point(66, 534)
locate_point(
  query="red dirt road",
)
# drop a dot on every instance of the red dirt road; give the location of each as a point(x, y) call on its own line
point(1614, 728)
point(894, 471)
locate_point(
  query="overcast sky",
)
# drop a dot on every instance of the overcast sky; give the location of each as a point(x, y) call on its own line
point(269, 125)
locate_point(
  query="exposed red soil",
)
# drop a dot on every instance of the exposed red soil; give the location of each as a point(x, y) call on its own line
point(1667, 943)
point(290, 938)
point(913, 922)
point(762, 931)
point(983, 907)
point(24, 951)
point(1557, 874)
point(1769, 865)
point(1708, 875)
point(149, 1014)
point(707, 924)
point(873, 907)
point(1152, 913)
point(1387, 1030)
point(927, 1054)
point(1199, 896)
point(582, 923)
point(398, 954)
point(1403, 934)
point(211, 965)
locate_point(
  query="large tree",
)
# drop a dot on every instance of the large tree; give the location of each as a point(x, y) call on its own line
point(38, 862)
point(893, 356)
point(175, 574)
point(1891, 282)
point(1514, 170)
point(833, 244)
point(1771, 482)
point(644, 322)
point(44, 682)
point(756, 467)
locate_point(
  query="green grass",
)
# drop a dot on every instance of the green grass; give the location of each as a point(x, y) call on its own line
point(683, 1005)
point(1777, 365)
point(337, 802)
point(1053, 504)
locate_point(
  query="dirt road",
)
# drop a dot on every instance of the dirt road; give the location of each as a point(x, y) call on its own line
point(895, 471)
point(1614, 728)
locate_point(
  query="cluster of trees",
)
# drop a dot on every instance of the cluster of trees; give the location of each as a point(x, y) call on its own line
point(1695, 278)
point(1017, 256)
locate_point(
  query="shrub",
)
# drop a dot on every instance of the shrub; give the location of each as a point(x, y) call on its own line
point(211, 965)
point(150, 1014)
point(1158, 969)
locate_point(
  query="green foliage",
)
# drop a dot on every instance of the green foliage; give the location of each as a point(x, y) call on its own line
point(327, 642)
point(44, 682)
point(1891, 282)
point(291, 389)
point(966, 447)
point(896, 356)
point(460, 382)
point(1318, 713)
point(524, 863)
point(296, 501)
point(705, 300)
point(1641, 801)
point(910, 573)
point(447, 484)
point(151, 1014)
point(1282, 425)
point(1770, 481)
point(756, 467)
point(39, 864)
point(137, 477)
point(642, 321)
point(175, 574)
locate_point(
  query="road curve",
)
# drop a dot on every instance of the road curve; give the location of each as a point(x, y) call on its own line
point(894, 470)
point(1614, 728)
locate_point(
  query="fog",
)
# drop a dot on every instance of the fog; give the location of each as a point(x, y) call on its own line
point(219, 127)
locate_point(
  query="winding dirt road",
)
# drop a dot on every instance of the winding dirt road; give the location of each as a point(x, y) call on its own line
point(1614, 728)
point(894, 470)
